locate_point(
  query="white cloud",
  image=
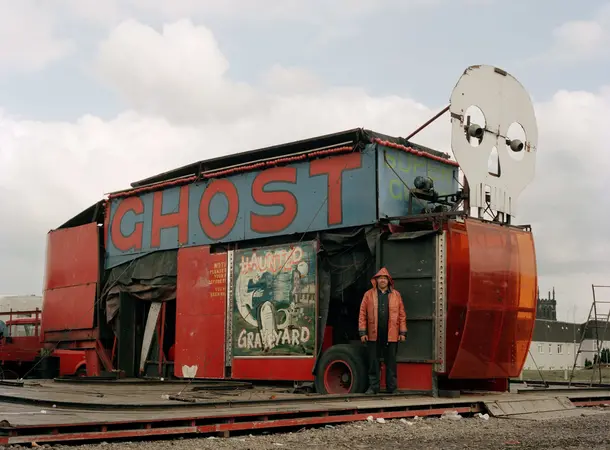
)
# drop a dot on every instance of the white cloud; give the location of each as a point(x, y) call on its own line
point(178, 72)
point(290, 80)
point(94, 11)
point(313, 11)
point(581, 40)
point(184, 108)
point(29, 38)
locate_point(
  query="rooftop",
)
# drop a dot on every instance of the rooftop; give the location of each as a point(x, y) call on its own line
point(350, 138)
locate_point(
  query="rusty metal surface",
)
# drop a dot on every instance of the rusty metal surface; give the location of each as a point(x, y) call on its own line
point(23, 423)
point(29, 415)
point(131, 396)
point(71, 277)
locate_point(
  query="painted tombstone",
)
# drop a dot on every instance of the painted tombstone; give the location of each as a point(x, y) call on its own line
point(275, 297)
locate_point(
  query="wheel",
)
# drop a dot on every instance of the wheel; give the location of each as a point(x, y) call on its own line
point(342, 370)
point(81, 372)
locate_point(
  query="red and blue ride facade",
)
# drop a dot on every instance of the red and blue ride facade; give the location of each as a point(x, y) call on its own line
point(274, 201)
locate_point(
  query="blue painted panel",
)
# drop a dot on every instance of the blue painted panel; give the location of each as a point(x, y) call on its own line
point(358, 207)
point(401, 168)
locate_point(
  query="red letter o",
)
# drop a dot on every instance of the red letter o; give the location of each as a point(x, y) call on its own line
point(212, 230)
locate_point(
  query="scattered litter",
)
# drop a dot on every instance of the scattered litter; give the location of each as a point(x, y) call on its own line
point(165, 396)
point(278, 444)
point(406, 422)
point(43, 411)
point(451, 415)
point(482, 416)
point(329, 426)
point(370, 419)
point(417, 418)
point(380, 420)
point(54, 406)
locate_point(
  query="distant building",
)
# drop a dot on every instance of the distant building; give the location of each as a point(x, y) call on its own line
point(555, 344)
point(546, 308)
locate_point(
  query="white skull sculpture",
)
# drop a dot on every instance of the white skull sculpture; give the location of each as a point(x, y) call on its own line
point(503, 101)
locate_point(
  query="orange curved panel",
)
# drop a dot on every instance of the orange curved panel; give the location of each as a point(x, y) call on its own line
point(458, 282)
point(500, 310)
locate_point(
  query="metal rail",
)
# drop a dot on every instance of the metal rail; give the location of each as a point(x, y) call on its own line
point(218, 424)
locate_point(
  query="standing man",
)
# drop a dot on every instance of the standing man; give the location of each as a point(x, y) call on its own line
point(382, 323)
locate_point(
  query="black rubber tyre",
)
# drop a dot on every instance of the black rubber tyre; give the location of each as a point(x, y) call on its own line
point(81, 372)
point(342, 370)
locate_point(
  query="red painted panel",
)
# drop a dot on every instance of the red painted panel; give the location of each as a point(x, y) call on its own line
point(290, 369)
point(72, 256)
point(500, 312)
point(70, 361)
point(69, 308)
point(71, 277)
point(411, 376)
point(201, 300)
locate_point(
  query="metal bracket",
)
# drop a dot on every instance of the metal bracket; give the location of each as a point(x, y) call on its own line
point(229, 312)
point(441, 302)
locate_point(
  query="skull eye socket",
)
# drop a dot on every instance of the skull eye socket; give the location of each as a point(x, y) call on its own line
point(515, 141)
point(474, 124)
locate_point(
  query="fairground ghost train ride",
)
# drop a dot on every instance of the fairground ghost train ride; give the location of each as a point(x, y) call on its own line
point(252, 266)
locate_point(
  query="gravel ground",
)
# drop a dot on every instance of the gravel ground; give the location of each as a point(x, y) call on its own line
point(590, 432)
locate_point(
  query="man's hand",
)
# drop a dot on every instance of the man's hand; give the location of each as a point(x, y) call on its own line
point(403, 338)
point(364, 338)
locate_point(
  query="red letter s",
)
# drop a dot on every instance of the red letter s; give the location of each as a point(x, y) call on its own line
point(279, 222)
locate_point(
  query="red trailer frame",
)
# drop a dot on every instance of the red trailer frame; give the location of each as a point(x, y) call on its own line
point(478, 324)
point(19, 354)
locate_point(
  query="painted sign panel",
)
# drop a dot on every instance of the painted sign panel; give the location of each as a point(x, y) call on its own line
point(398, 168)
point(275, 297)
point(337, 191)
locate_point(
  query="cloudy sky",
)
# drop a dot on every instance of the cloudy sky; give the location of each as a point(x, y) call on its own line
point(94, 95)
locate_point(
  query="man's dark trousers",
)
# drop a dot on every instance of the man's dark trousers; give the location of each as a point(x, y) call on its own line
point(377, 350)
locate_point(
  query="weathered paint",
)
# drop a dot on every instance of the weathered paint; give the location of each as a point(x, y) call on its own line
point(201, 300)
point(333, 192)
point(71, 279)
point(397, 168)
point(275, 299)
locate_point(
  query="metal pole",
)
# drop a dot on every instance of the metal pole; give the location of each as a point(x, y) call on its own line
point(445, 109)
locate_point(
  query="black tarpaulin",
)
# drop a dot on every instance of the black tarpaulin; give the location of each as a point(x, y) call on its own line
point(344, 258)
point(150, 278)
